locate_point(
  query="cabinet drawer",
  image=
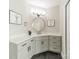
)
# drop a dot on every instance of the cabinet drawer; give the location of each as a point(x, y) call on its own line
point(57, 43)
point(42, 37)
point(55, 49)
point(23, 45)
point(55, 38)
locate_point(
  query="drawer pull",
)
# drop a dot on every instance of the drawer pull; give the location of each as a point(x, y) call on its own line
point(24, 44)
point(54, 42)
point(32, 40)
point(54, 48)
point(42, 42)
point(29, 48)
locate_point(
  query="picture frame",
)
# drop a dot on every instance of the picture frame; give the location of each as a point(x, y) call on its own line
point(51, 23)
point(15, 18)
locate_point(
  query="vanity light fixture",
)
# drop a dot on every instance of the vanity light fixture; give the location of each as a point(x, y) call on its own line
point(38, 12)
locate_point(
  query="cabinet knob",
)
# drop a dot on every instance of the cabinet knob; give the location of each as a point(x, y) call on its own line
point(29, 48)
point(32, 40)
point(24, 44)
point(42, 42)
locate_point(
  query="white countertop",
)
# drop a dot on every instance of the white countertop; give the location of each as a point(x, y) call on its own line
point(22, 38)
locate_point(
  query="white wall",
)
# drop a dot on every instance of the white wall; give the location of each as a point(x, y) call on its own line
point(53, 13)
point(20, 7)
point(24, 8)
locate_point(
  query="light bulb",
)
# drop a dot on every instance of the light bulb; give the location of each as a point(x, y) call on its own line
point(38, 11)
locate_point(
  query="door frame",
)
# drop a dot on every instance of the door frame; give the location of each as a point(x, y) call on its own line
point(66, 31)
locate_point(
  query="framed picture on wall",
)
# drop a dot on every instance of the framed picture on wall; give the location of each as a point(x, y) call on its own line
point(14, 17)
point(51, 23)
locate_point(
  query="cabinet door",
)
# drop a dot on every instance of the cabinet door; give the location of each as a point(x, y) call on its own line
point(31, 48)
point(44, 43)
point(23, 51)
point(55, 44)
point(41, 44)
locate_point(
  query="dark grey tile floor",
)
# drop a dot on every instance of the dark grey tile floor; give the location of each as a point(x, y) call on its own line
point(47, 55)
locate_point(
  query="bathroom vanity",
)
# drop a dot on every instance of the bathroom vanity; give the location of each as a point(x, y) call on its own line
point(33, 45)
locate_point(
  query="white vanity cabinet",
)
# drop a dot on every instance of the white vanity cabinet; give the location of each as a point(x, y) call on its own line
point(23, 50)
point(41, 44)
point(19, 51)
point(55, 44)
point(35, 45)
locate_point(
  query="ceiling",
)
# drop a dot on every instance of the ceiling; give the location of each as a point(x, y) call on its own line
point(43, 3)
